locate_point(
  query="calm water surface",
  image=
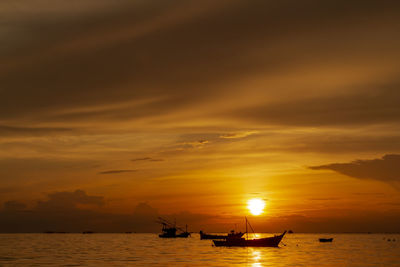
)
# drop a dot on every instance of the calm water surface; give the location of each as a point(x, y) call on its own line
point(149, 250)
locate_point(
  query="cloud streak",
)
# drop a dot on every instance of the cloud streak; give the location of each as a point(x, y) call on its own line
point(238, 135)
point(116, 171)
point(31, 131)
point(384, 169)
point(146, 159)
point(377, 106)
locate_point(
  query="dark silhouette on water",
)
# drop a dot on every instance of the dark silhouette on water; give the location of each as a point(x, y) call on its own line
point(169, 230)
point(258, 242)
point(231, 234)
point(324, 240)
point(233, 241)
point(290, 232)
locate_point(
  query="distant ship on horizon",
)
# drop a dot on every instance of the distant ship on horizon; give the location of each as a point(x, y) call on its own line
point(169, 230)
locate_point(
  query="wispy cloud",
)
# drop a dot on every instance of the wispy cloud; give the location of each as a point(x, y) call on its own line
point(116, 171)
point(238, 135)
point(6, 130)
point(385, 169)
point(363, 107)
point(146, 159)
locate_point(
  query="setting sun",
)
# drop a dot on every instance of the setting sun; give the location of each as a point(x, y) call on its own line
point(256, 206)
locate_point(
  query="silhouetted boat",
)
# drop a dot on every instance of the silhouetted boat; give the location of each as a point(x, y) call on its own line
point(258, 242)
point(87, 232)
point(290, 232)
point(232, 241)
point(323, 240)
point(169, 230)
point(208, 236)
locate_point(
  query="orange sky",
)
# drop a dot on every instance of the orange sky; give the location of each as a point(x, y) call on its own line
point(198, 106)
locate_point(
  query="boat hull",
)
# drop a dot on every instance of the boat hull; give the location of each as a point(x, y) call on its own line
point(241, 242)
point(181, 235)
point(324, 240)
point(224, 237)
point(185, 234)
point(205, 236)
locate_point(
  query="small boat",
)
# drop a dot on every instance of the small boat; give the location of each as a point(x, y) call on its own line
point(169, 230)
point(258, 242)
point(290, 232)
point(234, 241)
point(231, 234)
point(323, 240)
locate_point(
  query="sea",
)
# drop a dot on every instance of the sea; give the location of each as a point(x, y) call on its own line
point(150, 250)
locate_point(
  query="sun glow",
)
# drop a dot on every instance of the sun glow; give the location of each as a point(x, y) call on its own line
point(256, 206)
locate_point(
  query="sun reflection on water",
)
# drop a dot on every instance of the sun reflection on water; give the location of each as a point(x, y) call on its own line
point(256, 257)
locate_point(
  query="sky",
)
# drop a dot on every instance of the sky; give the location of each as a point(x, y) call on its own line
point(116, 112)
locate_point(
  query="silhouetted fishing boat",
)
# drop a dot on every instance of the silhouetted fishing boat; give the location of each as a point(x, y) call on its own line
point(169, 230)
point(257, 242)
point(232, 241)
point(325, 240)
point(231, 234)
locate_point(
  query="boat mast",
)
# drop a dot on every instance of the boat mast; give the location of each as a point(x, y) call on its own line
point(251, 227)
point(247, 233)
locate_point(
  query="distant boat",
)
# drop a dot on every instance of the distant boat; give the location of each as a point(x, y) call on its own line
point(231, 234)
point(169, 230)
point(232, 241)
point(87, 232)
point(323, 240)
point(290, 232)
